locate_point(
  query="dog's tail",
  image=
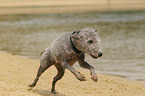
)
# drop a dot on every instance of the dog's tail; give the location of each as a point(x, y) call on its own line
point(43, 51)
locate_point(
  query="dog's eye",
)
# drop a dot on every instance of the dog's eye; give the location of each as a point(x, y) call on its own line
point(90, 41)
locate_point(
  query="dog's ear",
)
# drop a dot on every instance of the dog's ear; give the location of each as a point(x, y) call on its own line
point(95, 30)
point(76, 32)
point(75, 35)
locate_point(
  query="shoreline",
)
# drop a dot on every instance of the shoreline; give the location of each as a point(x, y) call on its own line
point(17, 72)
point(67, 6)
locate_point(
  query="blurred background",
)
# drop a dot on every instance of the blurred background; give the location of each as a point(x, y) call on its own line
point(29, 26)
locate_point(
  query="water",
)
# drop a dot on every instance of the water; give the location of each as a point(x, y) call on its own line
point(122, 34)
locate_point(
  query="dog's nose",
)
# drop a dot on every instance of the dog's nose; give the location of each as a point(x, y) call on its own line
point(100, 54)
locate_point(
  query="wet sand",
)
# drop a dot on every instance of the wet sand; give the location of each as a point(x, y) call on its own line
point(67, 6)
point(17, 72)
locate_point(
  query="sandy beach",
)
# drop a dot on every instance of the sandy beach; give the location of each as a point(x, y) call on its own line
point(8, 7)
point(17, 72)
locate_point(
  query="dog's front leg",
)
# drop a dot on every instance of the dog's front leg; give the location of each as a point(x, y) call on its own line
point(85, 65)
point(75, 72)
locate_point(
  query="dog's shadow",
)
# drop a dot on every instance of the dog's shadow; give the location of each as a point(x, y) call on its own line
point(47, 93)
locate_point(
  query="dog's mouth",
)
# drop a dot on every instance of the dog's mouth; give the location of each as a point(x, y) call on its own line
point(94, 56)
point(97, 55)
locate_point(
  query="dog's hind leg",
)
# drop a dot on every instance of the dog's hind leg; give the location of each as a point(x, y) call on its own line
point(39, 73)
point(41, 69)
point(60, 73)
point(45, 62)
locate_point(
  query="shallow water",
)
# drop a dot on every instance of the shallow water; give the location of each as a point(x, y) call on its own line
point(122, 34)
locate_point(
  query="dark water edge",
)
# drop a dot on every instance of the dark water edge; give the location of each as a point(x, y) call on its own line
point(122, 34)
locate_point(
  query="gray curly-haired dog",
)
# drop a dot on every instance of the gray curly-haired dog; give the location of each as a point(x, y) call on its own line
point(68, 49)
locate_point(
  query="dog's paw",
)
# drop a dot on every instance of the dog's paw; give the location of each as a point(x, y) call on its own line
point(81, 77)
point(95, 78)
point(32, 85)
point(53, 92)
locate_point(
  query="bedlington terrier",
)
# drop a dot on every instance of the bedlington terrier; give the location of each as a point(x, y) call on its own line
point(66, 50)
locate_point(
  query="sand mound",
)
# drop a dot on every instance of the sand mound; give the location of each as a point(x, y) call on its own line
point(17, 72)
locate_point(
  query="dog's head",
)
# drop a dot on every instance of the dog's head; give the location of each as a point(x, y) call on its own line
point(88, 41)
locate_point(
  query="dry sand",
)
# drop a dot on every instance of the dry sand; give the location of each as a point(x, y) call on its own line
point(67, 6)
point(17, 72)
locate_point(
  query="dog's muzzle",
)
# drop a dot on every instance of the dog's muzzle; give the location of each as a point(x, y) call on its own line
point(97, 55)
point(100, 54)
